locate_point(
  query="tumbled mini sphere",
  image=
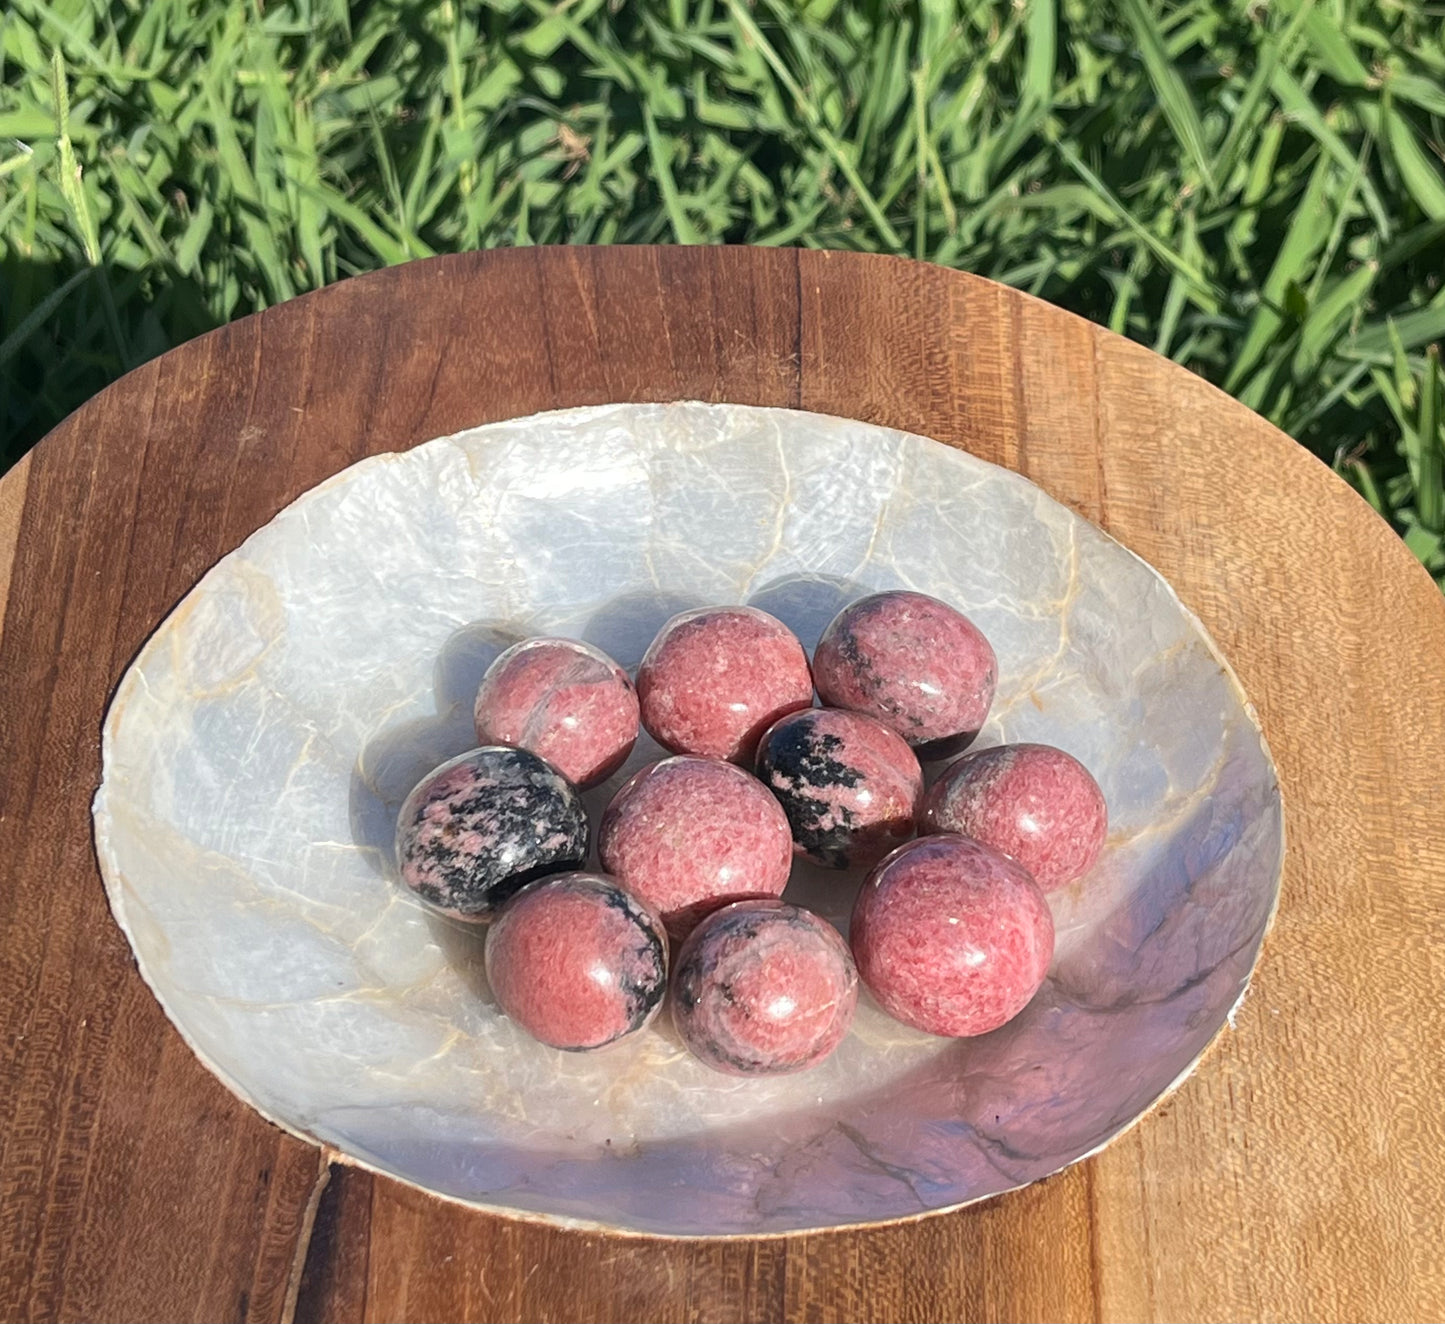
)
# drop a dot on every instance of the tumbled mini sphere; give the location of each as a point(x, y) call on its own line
point(952, 937)
point(849, 786)
point(484, 825)
point(566, 701)
point(714, 679)
point(912, 662)
point(687, 835)
point(577, 962)
point(762, 988)
point(1032, 802)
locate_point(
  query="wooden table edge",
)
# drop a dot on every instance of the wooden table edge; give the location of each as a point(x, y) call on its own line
point(1307, 468)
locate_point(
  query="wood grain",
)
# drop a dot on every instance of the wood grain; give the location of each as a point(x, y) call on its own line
point(12, 502)
point(1299, 1173)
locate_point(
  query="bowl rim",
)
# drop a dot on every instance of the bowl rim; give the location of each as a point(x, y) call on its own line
point(116, 885)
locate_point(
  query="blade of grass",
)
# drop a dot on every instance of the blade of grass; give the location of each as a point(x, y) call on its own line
point(1296, 103)
point(1421, 178)
point(70, 181)
point(1412, 242)
point(1197, 279)
point(1174, 99)
point(17, 162)
point(683, 229)
point(1323, 322)
point(1338, 391)
point(1169, 319)
point(920, 194)
point(1254, 92)
point(1413, 329)
point(1404, 382)
point(1422, 92)
point(1430, 485)
point(1344, 207)
point(41, 313)
point(1307, 234)
point(198, 230)
point(387, 247)
point(1040, 51)
point(1365, 482)
point(1333, 48)
point(259, 233)
point(753, 34)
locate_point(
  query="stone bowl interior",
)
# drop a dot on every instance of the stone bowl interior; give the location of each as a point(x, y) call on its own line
point(258, 748)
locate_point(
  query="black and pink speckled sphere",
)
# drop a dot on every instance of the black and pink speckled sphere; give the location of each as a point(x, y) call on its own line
point(1034, 803)
point(566, 701)
point(688, 835)
point(849, 785)
point(762, 988)
point(716, 678)
point(952, 937)
point(912, 662)
point(577, 962)
point(483, 826)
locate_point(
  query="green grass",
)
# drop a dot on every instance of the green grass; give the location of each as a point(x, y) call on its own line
point(1255, 190)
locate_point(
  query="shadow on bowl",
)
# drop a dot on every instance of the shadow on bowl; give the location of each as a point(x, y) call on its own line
point(393, 761)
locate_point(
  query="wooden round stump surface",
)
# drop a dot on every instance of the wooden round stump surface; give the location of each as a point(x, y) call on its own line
point(1299, 1173)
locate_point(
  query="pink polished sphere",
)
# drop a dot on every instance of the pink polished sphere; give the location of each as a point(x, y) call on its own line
point(1032, 802)
point(951, 937)
point(850, 785)
point(716, 678)
point(763, 988)
point(912, 662)
point(563, 700)
point(687, 835)
point(577, 962)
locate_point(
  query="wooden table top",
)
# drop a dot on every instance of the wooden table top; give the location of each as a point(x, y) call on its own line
point(1299, 1173)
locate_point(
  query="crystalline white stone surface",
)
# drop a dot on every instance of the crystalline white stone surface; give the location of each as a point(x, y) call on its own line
point(259, 747)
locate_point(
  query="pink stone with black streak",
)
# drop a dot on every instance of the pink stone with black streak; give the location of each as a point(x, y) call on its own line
point(716, 678)
point(952, 937)
point(1032, 802)
point(688, 835)
point(566, 701)
point(484, 825)
point(577, 962)
point(763, 988)
point(849, 786)
point(912, 662)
